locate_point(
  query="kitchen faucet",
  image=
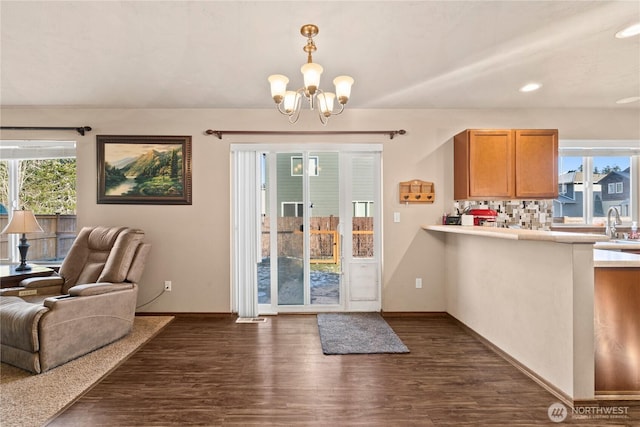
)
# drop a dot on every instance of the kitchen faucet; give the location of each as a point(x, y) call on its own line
point(611, 228)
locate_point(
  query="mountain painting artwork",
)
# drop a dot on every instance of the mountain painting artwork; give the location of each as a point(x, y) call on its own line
point(144, 169)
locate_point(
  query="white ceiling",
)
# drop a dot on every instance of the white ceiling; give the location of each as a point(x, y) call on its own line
point(218, 54)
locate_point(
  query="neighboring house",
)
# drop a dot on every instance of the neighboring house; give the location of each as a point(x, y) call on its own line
point(323, 185)
point(571, 195)
point(615, 191)
point(323, 169)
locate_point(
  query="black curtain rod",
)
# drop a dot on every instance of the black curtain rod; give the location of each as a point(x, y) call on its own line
point(81, 130)
point(219, 133)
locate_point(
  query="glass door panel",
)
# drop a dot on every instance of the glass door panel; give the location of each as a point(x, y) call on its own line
point(318, 251)
point(290, 229)
point(362, 246)
point(363, 190)
point(264, 264)
point(324, 218)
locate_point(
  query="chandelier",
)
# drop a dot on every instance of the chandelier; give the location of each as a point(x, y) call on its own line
point(288, 102)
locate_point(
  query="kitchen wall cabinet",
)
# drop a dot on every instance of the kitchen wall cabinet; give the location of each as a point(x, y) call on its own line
point(506, 164)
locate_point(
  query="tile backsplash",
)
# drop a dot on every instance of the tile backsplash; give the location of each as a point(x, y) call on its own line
point(532, 215)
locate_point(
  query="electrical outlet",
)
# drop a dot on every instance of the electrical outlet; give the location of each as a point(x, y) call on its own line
point(167, 285)
point(418, 282)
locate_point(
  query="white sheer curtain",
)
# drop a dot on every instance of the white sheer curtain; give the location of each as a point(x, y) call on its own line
point(246, 214)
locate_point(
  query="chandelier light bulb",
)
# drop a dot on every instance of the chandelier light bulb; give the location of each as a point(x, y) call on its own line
point(290, 101)
point(278, 87)
point(311, 73)
point(343, 88)
point(325, 101)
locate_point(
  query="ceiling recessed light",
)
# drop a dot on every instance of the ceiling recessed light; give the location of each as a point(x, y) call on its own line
point(630, 31)
point(530, 87)
point(628, 100)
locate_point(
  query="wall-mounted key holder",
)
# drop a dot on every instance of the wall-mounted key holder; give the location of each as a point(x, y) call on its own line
point(417, 191)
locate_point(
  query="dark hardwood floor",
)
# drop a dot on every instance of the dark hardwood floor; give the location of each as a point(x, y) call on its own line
point(214, 372)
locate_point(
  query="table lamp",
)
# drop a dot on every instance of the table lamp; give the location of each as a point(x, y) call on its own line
point(22, 222)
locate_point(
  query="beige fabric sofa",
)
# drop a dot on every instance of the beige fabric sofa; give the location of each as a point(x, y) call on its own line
point(48, 321)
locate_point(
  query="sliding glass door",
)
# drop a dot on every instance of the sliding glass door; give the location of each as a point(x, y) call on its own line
point(318, 221)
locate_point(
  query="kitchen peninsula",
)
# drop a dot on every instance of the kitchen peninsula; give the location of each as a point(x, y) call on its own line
point(531, 295)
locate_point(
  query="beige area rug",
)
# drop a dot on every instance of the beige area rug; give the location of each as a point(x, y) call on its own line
point(32, 400)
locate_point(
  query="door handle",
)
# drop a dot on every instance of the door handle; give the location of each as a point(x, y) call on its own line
point(340, 236)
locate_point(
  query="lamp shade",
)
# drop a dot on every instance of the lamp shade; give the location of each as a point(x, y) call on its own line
point(22, 221)
point(343, 88)
point(325, 100)
point(311, 73)
point(278, 86)
point(291, 99)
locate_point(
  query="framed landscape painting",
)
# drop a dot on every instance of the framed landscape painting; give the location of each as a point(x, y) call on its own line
point(144, 169)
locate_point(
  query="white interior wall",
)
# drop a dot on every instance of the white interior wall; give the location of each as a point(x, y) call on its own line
point(191, 244)
point(531, 299)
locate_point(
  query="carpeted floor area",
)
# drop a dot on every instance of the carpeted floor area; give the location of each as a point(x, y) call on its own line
point(31, 400)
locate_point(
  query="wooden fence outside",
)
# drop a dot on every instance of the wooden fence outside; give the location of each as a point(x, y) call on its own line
point(60, 232)
point(50, 246)
point(324, 238)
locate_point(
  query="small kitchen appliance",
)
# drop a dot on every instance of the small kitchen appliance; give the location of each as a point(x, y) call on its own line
point(480, 216)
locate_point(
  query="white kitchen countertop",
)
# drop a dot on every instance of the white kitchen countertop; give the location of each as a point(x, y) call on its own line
point(619, 245)
point(519, 234)
point(601, 257)
point(605, 258)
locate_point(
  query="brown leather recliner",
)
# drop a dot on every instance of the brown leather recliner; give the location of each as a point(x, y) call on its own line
point(48, 321)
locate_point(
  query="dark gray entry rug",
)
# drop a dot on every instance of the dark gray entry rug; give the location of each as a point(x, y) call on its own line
point(357, 333)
